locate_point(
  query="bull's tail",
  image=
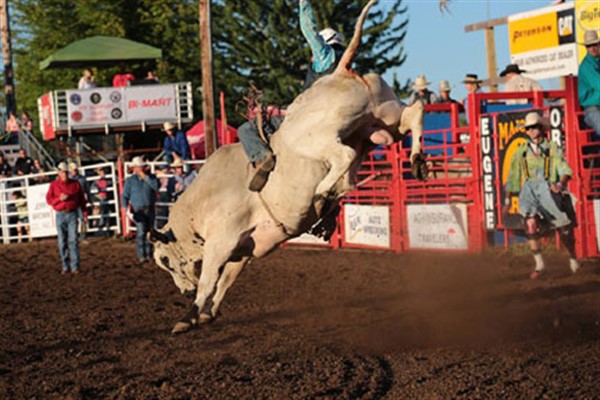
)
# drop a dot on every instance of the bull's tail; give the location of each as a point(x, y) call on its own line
point(346, 60)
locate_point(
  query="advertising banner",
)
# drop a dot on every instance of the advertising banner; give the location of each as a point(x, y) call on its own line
point(121, 105)
point(46, 117)
point(587, 15)
point(96, 106)
point(367, 225)
point(150, 102)
point(542, 41)
point(41, 215)
point(597, 220)
point(437, 226)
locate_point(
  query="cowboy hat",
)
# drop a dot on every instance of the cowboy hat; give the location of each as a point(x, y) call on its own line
point(167, 126)
point(535, 119)
point(62, 167)
point(445, 86)
point(590, 38)
point(138, 162)
point(177, 163)
point(472, 78)
point(512, 68)
point(420, 83)
point(331, 37)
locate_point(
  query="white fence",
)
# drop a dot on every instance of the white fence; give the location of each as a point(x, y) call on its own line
point(24, 213)
point(165, 199)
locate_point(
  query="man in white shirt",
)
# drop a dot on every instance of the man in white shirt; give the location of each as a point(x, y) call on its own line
point(515, 82)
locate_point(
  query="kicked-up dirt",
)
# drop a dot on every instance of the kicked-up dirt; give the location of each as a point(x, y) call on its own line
point(300, 324)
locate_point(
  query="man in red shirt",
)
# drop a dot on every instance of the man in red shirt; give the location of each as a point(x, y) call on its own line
point(66, 196)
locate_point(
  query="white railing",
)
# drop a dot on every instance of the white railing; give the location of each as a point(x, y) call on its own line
point(34, 187)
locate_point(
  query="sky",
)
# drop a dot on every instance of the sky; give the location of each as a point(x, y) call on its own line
point(437, 45)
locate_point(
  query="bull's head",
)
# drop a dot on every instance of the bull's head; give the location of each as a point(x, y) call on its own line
point(169, 256)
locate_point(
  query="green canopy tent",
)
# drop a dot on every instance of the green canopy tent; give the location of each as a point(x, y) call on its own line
point(100, 50)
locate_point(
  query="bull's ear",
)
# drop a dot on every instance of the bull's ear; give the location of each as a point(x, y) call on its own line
point(154, 236)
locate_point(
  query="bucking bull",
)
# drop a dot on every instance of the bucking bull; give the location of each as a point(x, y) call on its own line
point(218, 225)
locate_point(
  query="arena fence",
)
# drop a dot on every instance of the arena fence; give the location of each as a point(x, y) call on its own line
point(24, 214)
point(165, 200)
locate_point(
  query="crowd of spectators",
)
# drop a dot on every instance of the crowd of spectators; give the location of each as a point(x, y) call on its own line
point(121, 79)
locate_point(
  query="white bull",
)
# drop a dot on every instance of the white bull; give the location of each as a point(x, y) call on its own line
point(219, 225)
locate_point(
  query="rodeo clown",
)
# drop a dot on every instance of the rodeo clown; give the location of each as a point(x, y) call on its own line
point(539, 173)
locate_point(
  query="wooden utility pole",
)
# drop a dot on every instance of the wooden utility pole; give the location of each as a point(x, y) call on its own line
point(208, 100)
point(9, 75)
point(490, 48)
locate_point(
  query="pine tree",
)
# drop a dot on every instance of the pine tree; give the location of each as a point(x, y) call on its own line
point(253, 40)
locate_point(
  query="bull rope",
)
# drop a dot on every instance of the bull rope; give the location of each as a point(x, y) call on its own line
point(285, 229)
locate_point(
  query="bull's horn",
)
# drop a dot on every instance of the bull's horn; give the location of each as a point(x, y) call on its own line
point(346, 60)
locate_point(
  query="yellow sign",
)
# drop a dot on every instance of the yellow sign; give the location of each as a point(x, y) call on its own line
point(533, 33)
point(587, 14)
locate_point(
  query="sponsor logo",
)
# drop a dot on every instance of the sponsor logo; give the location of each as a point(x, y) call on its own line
point(76, 116)
point(115, 97)
point(75, 99)
point(116, 113)
point(95, 98)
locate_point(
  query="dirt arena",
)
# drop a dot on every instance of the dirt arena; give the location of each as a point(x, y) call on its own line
point(300, 324)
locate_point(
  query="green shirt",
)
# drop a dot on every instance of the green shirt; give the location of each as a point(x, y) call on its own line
point(525, 164)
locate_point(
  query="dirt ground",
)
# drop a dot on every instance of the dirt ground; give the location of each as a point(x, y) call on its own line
point(300, 324)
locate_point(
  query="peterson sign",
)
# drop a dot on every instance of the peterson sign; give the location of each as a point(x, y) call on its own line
point(542, 42)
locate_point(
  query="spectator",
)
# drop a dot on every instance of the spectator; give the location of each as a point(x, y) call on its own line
point(39, 169)
point(140, 191)
point(20, 204)
point(589, 83)
point(473, 85)
point(420, 92)
point(444, 96)
point(515, 82)
point(164, 197)
point(175, 145)
point(23, 164)
point(66, 196)
point(542, 168)
point(26, 122)
point(123, 79)
point(180, 180)
point(5, 168)
point(81, 213)
point(87, 81)
point(12, 128)
point(101, 187)
point(151, 78)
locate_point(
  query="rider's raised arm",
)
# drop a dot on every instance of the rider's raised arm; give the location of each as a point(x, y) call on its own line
point(323, 54)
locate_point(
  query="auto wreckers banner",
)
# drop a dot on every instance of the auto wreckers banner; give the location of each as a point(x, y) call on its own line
point(41, 216)
point(542, 41)
point(114, 105)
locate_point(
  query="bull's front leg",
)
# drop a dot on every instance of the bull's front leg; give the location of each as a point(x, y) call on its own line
point(340, 159)
point(412, 120)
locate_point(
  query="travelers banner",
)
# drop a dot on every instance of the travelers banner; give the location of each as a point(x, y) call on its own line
point(438, 226)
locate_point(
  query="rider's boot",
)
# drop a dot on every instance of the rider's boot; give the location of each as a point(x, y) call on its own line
point(263, 169)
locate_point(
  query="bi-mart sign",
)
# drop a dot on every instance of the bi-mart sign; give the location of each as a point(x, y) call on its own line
point(542, 42)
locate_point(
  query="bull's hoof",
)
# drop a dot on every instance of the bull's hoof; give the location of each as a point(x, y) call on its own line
point(419, 167)
point(206, 318)
point(182, 327)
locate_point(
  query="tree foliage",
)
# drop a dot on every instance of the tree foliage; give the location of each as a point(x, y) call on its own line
point(256, 41)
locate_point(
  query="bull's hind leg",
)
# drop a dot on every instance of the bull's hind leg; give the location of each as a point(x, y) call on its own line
point(216, 254)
